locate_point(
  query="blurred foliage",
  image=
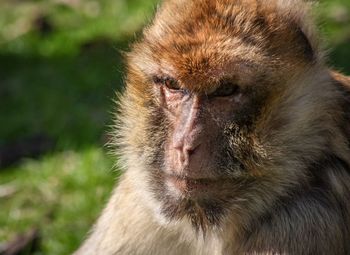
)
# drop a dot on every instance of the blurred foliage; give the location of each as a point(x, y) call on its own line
point(334, 19)
point(60, 66)
point(60, 63)
point(60, 27)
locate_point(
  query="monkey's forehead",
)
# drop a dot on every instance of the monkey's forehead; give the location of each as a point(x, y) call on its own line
point(202, 41)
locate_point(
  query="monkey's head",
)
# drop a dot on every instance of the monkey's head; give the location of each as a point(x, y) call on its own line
point(226, 103)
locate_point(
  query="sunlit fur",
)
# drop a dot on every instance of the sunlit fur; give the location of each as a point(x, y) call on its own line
point(288, 156)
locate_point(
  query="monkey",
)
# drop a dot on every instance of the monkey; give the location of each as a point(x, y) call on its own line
point(232, 135)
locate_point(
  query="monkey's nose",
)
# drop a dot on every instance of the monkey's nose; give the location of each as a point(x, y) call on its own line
point(184, 153)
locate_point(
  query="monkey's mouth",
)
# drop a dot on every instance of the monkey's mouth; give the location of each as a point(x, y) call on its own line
point(189, 186)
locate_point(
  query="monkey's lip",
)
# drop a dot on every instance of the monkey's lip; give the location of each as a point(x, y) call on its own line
point(190, 185)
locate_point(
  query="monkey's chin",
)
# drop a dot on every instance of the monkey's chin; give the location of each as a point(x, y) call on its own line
point(201, 201)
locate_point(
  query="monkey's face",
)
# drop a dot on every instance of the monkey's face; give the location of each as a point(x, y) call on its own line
point(193, 149)
point(199, 89)
point(202, 144)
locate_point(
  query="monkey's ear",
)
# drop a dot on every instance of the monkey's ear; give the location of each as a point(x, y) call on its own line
point(300, 16)
point(305, 44)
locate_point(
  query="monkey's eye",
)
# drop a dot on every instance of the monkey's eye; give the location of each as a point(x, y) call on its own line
point(170, 83)
point(226, 89)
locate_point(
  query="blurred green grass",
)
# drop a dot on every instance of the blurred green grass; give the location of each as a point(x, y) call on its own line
point(59, 194)
point(60, 65)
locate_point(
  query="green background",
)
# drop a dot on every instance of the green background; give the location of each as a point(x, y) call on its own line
point(60, 66)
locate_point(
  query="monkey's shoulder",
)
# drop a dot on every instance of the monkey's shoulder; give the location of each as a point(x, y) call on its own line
point(341, 79)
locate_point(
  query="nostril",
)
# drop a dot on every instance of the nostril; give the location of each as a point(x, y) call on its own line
point(190, 151)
